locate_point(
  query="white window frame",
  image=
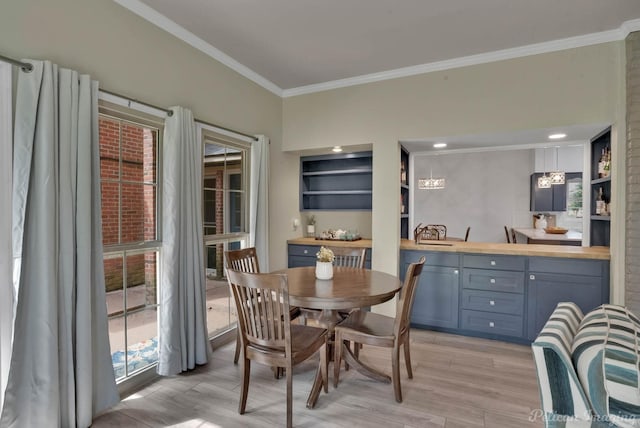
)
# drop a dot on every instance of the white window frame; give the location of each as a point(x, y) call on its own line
point(209, 134)
point(117, 108)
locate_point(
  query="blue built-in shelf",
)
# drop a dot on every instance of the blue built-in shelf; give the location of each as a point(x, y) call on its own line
point(336, 182)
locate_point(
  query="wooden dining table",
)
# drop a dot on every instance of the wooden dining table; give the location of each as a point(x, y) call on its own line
point(349, 288)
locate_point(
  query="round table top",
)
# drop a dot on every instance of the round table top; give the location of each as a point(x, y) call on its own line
point(349, 288)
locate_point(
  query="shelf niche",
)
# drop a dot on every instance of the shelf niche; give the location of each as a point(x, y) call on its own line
point(600, 225)
point(336, 182)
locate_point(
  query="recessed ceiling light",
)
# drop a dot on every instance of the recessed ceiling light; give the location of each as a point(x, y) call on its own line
point(439, 145)
point(558, 136)
point(336, 149)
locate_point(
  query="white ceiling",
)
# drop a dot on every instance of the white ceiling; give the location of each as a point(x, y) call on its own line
point(287, 44)
point(292, 47)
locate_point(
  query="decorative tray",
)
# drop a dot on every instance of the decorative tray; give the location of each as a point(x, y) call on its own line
point(556, 230)
point(355, 238)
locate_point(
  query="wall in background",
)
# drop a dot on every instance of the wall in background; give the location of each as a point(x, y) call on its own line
point(484, 190)
point(584, 84)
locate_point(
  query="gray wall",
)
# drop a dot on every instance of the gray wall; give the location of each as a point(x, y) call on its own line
point(484, 190)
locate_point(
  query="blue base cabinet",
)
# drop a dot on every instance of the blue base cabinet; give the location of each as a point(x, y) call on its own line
point(493, 294)
point(501, 296)
point(305, 255)
point(584, 282)
point(437, 296)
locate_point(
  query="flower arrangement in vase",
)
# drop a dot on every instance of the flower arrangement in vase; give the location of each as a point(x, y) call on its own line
point(311, 226)
point(324, 263)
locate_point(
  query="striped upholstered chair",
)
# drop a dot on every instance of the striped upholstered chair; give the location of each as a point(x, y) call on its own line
point(588, 367)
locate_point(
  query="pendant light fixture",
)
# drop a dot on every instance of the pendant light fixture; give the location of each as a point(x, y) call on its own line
point(557, 177)
point(544, 182)
point(431, 183)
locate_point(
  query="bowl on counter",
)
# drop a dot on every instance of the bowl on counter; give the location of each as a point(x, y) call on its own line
point(556, 230)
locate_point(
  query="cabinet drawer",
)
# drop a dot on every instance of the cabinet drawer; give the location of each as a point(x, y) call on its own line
point(299, 261)
point(431, 258)
point(303, 250)
point(489, 301)
point(493, 280)
point(487, 322)
point(566, 266)
point(494, 262)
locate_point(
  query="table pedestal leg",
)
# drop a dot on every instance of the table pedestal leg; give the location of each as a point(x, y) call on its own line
point(362, 368)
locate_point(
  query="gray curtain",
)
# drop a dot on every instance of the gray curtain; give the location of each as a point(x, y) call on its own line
point(7, 296)
point(61, 372)
point(183, 338)
point(259, 200)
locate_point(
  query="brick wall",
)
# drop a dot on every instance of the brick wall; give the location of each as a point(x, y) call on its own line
point(138, 200)
point(632, 243)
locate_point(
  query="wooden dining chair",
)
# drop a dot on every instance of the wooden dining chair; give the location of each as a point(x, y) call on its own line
point(466, 234)
point(513, 236)
point(379, 330)
point(267, 335)
point(349, 257)
point(506, 232)
point(246, 260)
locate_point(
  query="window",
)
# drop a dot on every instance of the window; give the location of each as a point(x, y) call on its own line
point(574, 197)
point(225, 202)
point(129, 180)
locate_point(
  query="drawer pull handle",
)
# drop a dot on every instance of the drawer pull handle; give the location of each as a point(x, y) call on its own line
point(492, 302)
point(493, 262)
point(532, 277)
point(492, 280)
point(455, 272)
point(306, 251)
point(491, 324)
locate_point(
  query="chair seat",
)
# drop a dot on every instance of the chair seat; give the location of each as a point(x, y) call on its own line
point(361, 324)
point(303, 343)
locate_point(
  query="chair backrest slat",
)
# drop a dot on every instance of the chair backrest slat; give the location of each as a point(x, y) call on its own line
point(244, 260)
point(407, 296)
point(349, 257)
point(262, 301)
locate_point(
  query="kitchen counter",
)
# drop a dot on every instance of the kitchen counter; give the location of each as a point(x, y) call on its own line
point(539, 236)
point(538, 250)
point(360, 243)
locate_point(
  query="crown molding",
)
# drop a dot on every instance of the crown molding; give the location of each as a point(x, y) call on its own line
point(528, 146)
point(191, 39)
point(483, 58)
point(161, 21)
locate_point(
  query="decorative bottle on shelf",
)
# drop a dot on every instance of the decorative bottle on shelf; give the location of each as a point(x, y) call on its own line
point(403, 173)
point(601, 165)
point(606, 168)
point(600, 204)
point(401, 205)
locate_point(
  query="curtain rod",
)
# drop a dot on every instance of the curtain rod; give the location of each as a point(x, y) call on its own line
point(25, 66)
point(170, 113)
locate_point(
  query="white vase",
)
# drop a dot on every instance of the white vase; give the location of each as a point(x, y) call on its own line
point(541, 223)
point(324, 270)
point(311, 230)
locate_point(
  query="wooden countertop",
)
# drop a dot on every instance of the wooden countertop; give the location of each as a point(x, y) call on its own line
point(539, 250)
point(360, 243)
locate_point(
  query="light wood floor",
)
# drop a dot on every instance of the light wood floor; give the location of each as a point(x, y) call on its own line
point(458, 382)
